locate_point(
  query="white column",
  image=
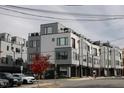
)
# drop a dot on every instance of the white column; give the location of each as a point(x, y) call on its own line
point(115, 72)
point(69, 71)
point(105, 72)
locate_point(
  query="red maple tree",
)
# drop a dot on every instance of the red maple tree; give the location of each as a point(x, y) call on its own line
point(40, 64)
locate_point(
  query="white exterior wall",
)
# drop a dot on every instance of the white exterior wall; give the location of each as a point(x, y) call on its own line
point(89, 53)
point(97, 65)
point(11, 53)
point(48, 46)
point(76, 62)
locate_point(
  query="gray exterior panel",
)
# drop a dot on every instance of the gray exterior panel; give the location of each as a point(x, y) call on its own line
point(69, 60)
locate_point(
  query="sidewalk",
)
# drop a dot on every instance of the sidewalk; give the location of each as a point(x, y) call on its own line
point(97, 78)
point(40, 85)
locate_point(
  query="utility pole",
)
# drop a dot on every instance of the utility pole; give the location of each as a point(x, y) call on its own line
point(87, 63)
point(55, 69)
point(80, 65)
point(100, 54)
point(21, 67)
point(0, 56)
point(108, 61)
point(92, 55)
point(92, 65)
point(14, 57)
point(114, 63)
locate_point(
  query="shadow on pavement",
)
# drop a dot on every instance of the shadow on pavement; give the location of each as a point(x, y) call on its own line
point(96, 86)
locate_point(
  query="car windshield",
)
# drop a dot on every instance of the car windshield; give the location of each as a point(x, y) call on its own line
point(8, 75)
point(19, 75)
point(16, 75)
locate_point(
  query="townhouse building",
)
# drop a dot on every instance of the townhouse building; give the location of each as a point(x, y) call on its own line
point(13, 52)
point(72, 54)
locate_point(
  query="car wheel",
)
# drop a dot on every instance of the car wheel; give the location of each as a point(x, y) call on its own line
point(25, 81)
point(19, 84)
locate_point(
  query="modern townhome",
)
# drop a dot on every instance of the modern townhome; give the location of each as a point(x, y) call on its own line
point(72, 54)
point(123, 59)
point(13, 52)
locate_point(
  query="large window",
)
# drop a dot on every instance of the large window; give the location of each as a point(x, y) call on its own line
point(48, 30)
point(17, 50)
point(120, 55)
point(88, 48)
point(117, 63)
point(31, 43)
point(61, 55)
point(7, 48)
point(34, 43)
point(84, 58)
point(73, 43)
point(94, 51)
point(75, 56)
point(38, 43)
point(62, 41)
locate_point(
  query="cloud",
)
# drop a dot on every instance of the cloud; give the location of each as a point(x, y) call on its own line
point(100, 30)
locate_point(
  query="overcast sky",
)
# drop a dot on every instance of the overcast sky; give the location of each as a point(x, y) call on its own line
point(95, 30)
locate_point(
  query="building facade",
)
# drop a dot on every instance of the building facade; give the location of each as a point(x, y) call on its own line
point(72, 54)
point(13, 52)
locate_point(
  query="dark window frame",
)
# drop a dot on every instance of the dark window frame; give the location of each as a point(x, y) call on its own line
point(7, 48)
point(59, 41)
point(61, 55)
point(73, 43)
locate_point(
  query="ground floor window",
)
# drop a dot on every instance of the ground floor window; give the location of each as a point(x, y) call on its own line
point(61, 55)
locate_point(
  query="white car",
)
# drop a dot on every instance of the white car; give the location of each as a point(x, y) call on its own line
point(3, 83)
point(25, 79)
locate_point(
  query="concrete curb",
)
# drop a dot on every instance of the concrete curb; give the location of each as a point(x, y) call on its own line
point(36, 85)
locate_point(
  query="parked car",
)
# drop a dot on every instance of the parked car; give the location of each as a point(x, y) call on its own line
point(50, 75)
point(3, 83)
point(25, 79)
point(17, 80)
point(12, 80)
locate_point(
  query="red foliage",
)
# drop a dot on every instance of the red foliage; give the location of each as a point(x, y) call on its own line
point(40, 64)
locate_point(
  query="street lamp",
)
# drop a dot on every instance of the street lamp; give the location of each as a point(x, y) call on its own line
point(21, 67)
point(80, 65)
point(12, 48)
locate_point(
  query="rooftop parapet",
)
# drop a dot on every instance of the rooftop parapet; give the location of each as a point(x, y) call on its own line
point(34, 34)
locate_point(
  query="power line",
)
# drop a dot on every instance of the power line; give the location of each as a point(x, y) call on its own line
point(37, 19)
point(58, 12)
point(50, 17)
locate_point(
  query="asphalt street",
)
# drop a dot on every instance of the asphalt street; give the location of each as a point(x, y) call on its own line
point(98, 83)
point(81, 83)
point(91, 83)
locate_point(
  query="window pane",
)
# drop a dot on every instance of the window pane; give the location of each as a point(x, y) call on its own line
point(45, 32)
point(7, 48)
point(73, 42)
point(57, 41)
point(66, 41)
point(49, 30)
point(34, 43)
point(62, 41)
point(38, 43)
point(31, 44)
point(61, 55)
